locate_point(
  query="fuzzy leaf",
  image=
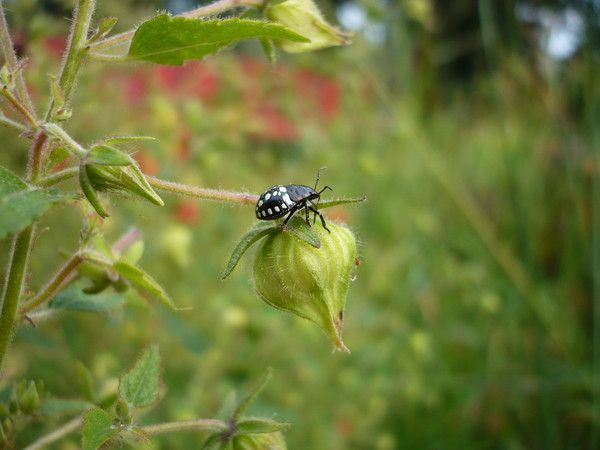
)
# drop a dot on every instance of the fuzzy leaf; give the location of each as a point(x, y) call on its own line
point(143, 281)
point(53, 407)
point(140, 386)
point(259, 425)
point(108, 156)
point(174, 40)
point(90, 193)
point(259, 231)
point(97, 429)
point(339, 201)
point(74, 299)
point(303, 231)
point(21, 207)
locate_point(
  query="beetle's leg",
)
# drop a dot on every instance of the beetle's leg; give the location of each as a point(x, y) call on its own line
point(306, 212)
point(293, 209)
point(326, 187)
point(318, 213)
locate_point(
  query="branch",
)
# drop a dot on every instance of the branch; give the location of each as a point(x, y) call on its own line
point(55, 435)
point(203, 11)
point(8, 49)
point(202, 193)
point(184, 425)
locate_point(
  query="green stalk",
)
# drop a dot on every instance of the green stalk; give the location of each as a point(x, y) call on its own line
point(15, 277)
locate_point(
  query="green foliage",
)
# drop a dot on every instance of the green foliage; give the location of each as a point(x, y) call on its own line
point(303, 231)
point(174, 40)
point(97, 429)
point(56, 407)
point(20, 204)
point(141, 280)
point(107, 155)
point(75, 299)
point(140, 386)
point(260, 230)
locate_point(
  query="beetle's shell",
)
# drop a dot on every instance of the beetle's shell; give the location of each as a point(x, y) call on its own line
point(278, 200)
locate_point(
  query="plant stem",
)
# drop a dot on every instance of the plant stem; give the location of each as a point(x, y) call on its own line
point(57, 282)
point(194, 424)
point(13, 288)
point(57, 177)
point(55, 435)
point(35, 156)
point(11, 60)
point(19, 106)
point(203, 11)
point(77, 48)
point(11, 123)
point(203, 193)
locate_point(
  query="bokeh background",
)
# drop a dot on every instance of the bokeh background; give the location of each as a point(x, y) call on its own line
point(472, 128)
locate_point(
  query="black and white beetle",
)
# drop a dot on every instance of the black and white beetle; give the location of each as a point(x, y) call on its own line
point(277, 201)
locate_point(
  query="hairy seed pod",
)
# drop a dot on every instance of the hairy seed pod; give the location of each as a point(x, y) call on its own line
point(260, 441)
point(310, 282)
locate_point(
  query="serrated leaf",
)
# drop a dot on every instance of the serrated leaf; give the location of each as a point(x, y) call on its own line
point(21, 208)
point(140, 386)
point(97, 429)
point(108, 156)
point(53, 407)
point(174, 40)
point(339, 201)
point(253, 394)
point(257, 425)
point(143, 281)
point(115, 140)
point(303, 231)
point(74, 299)
point(259, 231)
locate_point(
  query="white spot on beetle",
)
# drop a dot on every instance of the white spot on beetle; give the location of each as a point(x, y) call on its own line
point(270, 211)
point(284, 206)
point(263, 213)
point(276, 209)
point(268, 196)
point(260, 202)
point(282, 189)
point(286, 198)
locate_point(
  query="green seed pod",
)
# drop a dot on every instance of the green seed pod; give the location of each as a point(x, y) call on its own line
point(30, 399)
point(310, 282)
point(304, 17)
point(262, 441)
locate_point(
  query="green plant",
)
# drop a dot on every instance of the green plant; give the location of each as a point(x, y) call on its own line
point(96, 276)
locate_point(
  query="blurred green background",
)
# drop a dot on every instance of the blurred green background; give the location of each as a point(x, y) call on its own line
point(472, 128)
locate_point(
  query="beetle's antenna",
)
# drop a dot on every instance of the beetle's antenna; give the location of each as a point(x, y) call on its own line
point(319, 175)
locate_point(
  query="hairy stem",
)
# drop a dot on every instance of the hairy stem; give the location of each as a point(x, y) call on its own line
point(8, 49)
point(185, 425)
point(13, 287)
point(203, 11)
point(53, 286)
point(57, 177)
point(202, 193)
point(19, 106)
point(11, 123)
point(35, 156)
point(57, 434)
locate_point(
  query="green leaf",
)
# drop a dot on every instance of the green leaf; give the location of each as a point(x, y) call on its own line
point(258, 425)
point(339, 201)
point(86, 383)
point(134, 252)
point(90, 193)
point(143, 281)
point(140, 386)
point(97, 429)
point(10, 182)
point(303, 231)
point(74, 299)
point(253, 394)
point(228, 407)
point(211, 441)
point(53, 407)
point(174, 40)
point(108, 156)
point(269, 50)
point(259, 231)
point(21, 207)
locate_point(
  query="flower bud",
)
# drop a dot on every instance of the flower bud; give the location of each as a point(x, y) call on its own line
point(310, 282)
point(262, 441)
point(304, 17)
point(30, 399)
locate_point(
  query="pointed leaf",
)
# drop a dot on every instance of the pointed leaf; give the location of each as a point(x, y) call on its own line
point(140, 386)
point(339, 201)
point(254, 425)
point(143, 281)
point(269, 50)
point(211, 441)
point(74, 299)
point(115, 140)
point(174, 40)
point(228, 407)
point(253, 394)
point(303, 231)
point(107, 155)
point(97, 429)
point(90, 193)
point(10, 182)
point(259, 231)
